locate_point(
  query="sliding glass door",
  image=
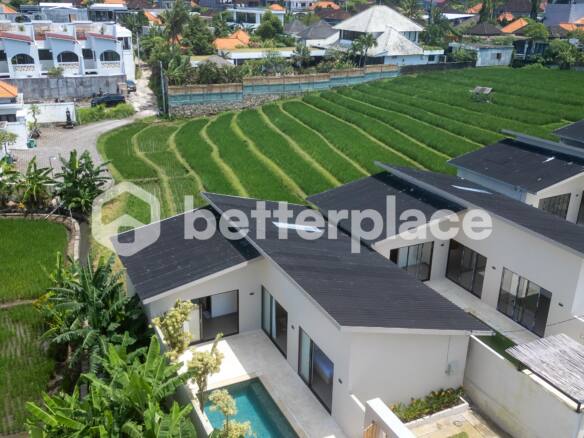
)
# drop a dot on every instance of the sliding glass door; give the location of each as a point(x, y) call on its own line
point(214, 314)
point(466, 268)
point(415, 259)
point(316, 369)
point(274, 321)
point(580, 219)
point(524, 301)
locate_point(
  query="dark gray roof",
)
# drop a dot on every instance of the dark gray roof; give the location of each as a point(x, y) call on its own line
point(317, 31)
point(372, 192)
point(521, 165)
point(574, 132)
point(474, 195)
point(356, 289)
point(294, 27)
point(483, 29)
point(174, 261)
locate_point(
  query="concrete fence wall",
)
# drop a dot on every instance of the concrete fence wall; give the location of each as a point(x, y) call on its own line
point(275, 85)
point(426, 68)
point(52, 112)
point(519, 402)
point(35, 89)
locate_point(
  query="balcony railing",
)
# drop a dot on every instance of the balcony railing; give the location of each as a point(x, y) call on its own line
point(111, 65)
point(69, 66)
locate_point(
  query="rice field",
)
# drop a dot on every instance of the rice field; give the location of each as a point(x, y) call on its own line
point(289, 149)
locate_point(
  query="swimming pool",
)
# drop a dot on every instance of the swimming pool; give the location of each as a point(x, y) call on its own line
point(254, 404)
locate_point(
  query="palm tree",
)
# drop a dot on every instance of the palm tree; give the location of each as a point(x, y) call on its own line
point(365, 42)
point(34, 184)
point(89, 309)
point(174, 20)
point(410, 8)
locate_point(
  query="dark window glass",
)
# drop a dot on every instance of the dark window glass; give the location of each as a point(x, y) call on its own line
point(556, 205)
point(109, 56)
point(3, 55)
point(67, 57)
point(275, 321)
point(22, 58)
point(416, 259)
point(7, 117)
point(88, 54)
point(316, 369)
point(580, 219)
point(214, 314)
point(466, 268)
point(524, 301)
point(45, 55)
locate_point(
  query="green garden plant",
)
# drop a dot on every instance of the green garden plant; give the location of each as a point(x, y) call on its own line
point(202, 365)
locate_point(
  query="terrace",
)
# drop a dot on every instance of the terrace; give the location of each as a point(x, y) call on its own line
point(252, 354)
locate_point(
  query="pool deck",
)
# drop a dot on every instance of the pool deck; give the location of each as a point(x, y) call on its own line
point(252, 354)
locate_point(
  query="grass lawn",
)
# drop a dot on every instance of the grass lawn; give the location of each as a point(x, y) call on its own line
point(28, 252)
point(25, 368)
point(292, 148)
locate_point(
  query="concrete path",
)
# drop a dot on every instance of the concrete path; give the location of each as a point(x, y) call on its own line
point(57, 141)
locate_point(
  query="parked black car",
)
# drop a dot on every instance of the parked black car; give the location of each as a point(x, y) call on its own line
point(108, 100)
point(131, 85)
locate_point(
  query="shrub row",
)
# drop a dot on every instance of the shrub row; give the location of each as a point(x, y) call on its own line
point(314, 145)
point(258, 180)
point(370, 95)
point(427, 158)
point(355, 145)
point(97, 113)
point(438, 140)
point(277, 149)
point(197, 153)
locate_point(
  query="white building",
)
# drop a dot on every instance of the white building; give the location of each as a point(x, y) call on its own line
point(12, 116)
point(353, 325)
point(30, 50)
point(488, 55)
point(251, 17)
point(397, 37)
point(541, 173)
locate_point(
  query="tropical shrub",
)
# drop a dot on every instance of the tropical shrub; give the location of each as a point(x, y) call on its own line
point(100, 112)
point(202, 365)
point(434, 402)
point(171, 324)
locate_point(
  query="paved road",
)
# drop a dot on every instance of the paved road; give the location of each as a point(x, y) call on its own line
point(57, 141)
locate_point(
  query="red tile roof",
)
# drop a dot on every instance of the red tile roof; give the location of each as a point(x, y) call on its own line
point(6, 9)
point(15, 36)
point(7, 90)
point(60, 36)
point(520, 23)
point(475, 9)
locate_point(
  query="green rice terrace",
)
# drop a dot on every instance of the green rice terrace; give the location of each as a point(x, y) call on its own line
point(292, 148)
point(28, 252)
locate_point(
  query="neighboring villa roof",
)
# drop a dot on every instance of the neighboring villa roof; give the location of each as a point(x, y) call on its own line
point(393, 43)
point(152, 18)
point(276, 7)
point(317, 31)
point(113, 2)
point(483, 29)
point(472, 195)
point(371, 193)
point(324, 5)
point(333, 14)
point(356, 289)
point(571, 27)
point(15, 36)
point(101, 36)
point(294, 27)
point(376, 19)
point(5, 9)
point(517, 6)
point(521, 165)
point(237, 39)
point(60, 36)
point(513, 27)
point(574, 131)
point(8, 90)
point(173, 261)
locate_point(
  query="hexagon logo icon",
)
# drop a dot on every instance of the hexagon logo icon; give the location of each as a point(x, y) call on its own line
point(108, 234)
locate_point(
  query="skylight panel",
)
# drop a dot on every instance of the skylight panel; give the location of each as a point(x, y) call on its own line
point(297, 227)
point(472, 189)
point(549, 159)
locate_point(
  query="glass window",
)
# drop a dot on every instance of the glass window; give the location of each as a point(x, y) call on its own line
point(415, 259)
point(275, 321)
point(45, 55)
point(3, 55)
point(524, 301)
point(316, 369)
point(556, 205)
point(580, 219)
point(466, 268)
point(109, 56)
point(88, 54)
point(22, 59)
point(67, 57)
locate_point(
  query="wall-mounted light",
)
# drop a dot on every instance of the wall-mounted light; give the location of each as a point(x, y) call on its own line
point(340, 381)
point(292, 326)
point(252, 293)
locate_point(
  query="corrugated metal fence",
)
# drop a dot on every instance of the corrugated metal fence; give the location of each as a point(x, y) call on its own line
point(215, 93)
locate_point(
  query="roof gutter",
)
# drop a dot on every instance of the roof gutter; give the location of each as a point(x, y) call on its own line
point(546, 144)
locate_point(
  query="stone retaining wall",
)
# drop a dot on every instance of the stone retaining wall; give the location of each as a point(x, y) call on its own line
point(207, 109)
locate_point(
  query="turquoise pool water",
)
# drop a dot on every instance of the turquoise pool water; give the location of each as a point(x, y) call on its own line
point(254, 404)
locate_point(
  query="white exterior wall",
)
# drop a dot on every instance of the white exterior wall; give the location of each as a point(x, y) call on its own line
point(488, 56)
point(323, 42)
point(574, 186)
point(521, 404)
point(408, 60)
point(52, 112)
